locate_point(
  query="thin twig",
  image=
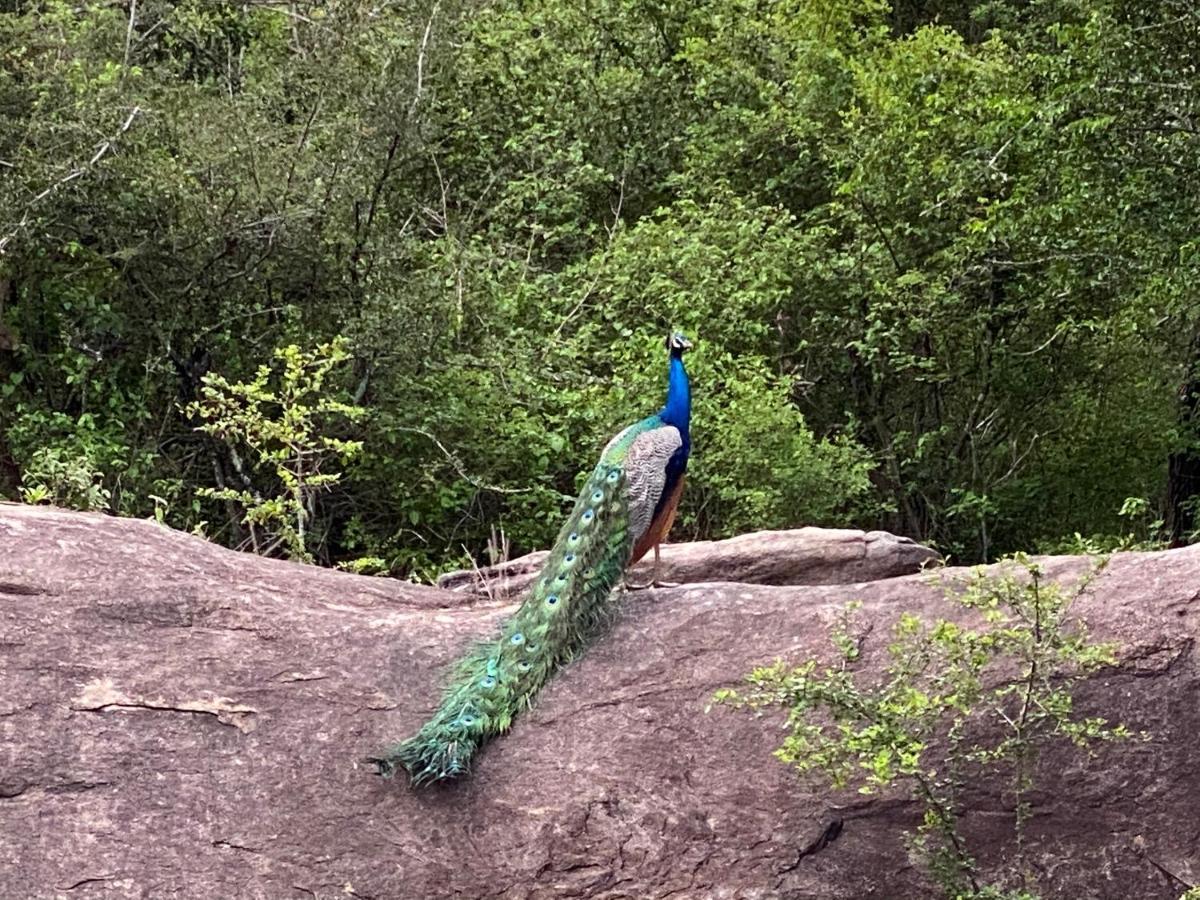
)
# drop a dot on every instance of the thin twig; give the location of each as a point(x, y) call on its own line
point(412, 108)
point(480, 578)
point(458, 467)
point(300, 145)
point(1060, 330)
point(887, 243)
point(616, 207)
point(288, 11)
point(578, 306)
point(105, 147)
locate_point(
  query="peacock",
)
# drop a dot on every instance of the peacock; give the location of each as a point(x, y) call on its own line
point(625, 510)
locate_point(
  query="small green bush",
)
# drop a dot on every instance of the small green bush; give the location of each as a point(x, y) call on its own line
point(281, 417)
point(955, 704)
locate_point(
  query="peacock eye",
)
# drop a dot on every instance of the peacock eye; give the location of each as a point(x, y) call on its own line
point(552, 599)
point(597, 496)
point(573, 538)
point(531, 648)
point(588, 515)
point(523, 667)
point(569, 558)
point(614, 476)
point(517, 639)
point(487, 682)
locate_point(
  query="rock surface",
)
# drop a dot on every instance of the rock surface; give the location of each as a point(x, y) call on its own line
point(178, 720)
point(798, 556)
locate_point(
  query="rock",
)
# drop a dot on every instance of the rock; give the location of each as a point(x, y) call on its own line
point(179, 720)
point(797, 556)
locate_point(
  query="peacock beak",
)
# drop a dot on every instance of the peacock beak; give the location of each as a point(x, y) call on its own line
point(677, 343)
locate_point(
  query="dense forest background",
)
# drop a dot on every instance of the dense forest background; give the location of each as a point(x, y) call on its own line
point(939, 258)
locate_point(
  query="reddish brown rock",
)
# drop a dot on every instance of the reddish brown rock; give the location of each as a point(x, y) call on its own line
point(178, 720)
point(797, 556)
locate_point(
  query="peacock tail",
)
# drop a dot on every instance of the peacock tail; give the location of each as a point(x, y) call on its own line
point(566, 606)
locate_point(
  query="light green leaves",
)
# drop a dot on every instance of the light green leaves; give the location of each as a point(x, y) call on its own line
point(280, 419)
point(957, 700)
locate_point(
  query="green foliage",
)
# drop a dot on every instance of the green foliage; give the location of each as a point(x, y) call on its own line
point(282, 418)
point(938, 258)
point(1142, 532)
point(955, 704)
point(85, 462)
point(52, 476)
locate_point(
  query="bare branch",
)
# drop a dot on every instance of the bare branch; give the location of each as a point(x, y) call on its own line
point(300, 144)
point(887, 243)
point(458, 467)
point(421, 60)
point(578, 306)
point(101, 151)
point(129, 30)
point(1062, 329)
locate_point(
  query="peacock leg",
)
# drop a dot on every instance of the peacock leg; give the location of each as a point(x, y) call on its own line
point(631, 586)
point(653, 582)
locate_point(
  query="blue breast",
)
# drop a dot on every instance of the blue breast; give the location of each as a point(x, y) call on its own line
point(678, 412)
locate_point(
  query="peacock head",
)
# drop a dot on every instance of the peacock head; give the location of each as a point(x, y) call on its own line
point(677, 344)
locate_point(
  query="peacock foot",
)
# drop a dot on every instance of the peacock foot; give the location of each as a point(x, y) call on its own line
point(654, 583)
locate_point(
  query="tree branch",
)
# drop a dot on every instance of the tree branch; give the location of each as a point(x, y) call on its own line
point(458, 467)
point(101, 151)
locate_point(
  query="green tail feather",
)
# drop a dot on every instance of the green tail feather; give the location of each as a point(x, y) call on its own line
point(566, 606)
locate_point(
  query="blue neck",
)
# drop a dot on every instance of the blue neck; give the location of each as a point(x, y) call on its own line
point(678, 409)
